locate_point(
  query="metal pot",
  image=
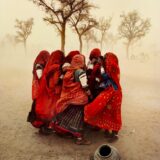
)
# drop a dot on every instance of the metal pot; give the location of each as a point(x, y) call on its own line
point(105, 152)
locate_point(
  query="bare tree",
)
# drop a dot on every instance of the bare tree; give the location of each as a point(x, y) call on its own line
point(90, 36)
point(111, 39)
point(59, 12)
point(82, 23)
point(103, 27)
point(24, 29)
point(133, 28)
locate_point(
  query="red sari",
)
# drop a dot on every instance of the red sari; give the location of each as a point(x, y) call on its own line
point(95, 72)
point(41, 59)
point(72, 92)
point(105, 111)
point(72, 100)
point(50, 88)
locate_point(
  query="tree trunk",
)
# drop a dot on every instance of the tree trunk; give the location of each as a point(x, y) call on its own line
point(25, 47)
point(87, 46)
point(127, 49)
point(101, 45)
point(101, 42)
point(81, 43)
point(63, 33)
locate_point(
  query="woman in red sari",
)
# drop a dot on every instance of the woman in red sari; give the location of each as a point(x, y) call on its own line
point(50, 90)
point(94, 68)
point(67, 62)
point(38, 68)
point(72, 91)
point(73, 97)
point(105, 111)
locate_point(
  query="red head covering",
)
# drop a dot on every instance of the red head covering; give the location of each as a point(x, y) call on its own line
point(50, 88)
point(112, 67)
point(72, 91)
point(78, 61)
point(56, 57)
point(42, 58)
point(71, 55)
point(95, 53)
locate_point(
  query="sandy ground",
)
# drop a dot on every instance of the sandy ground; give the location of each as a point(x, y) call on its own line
point(139, 137)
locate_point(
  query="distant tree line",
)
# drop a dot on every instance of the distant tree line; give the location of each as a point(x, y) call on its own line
point(76, 14)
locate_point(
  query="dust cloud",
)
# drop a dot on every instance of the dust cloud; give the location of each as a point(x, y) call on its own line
point(140, 79)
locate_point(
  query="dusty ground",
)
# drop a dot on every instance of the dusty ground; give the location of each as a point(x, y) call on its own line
point(139, 137)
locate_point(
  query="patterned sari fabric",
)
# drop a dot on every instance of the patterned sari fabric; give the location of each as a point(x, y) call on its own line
point(50, 88)
point(42, 60)
point(73, 97)
point(105, 111)
point(70, 121)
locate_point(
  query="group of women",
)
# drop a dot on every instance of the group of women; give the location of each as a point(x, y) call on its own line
point(67, 94)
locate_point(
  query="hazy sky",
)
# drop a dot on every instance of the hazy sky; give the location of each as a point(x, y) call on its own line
point(43, 34)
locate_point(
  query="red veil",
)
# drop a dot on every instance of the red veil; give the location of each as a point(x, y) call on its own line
point(41, 59)
point(70, 55)
point(50, 88)
point(105, 111)
point(95, 53)
point(72, 92)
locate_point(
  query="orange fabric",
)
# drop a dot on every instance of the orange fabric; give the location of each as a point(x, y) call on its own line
point(105, 111)
point(78, 61)
point(72, 92)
